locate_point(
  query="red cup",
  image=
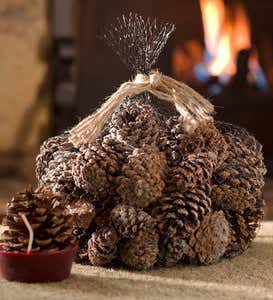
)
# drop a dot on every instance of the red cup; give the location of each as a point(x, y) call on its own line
point(44, 266)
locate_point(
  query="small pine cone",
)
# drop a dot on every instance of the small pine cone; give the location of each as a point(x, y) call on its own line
point(142, 178)
point(179, 214)
point(97, 166)
point(172, 250)
point(102, 247)
point(243, 226)
point(209, 242)
point(140, 252)
point(195, 170)
point(129, 221)
point(135, 122)
point(52, 229)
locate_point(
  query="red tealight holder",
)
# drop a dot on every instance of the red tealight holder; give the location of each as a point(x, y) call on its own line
point(44, 266)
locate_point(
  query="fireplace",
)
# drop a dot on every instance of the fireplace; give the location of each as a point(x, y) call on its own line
point(224, 49)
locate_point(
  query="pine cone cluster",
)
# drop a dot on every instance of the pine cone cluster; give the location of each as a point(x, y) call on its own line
point(52, 229)
point(148, 193)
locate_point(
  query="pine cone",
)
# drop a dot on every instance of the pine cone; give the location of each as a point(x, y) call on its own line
point(102, 247)
point(136, 122)
point(195, 170)
point(97, 166)
point(140, 252)
point(83, 235)
point(243, 226)
point(53, 164)
point(82, 213)
point(237, 186)
point(179, 214)
point(172, 250)
point(209, 242)
point(52, 230)
point(129, 221)
point(178, 144)
point(142, 179)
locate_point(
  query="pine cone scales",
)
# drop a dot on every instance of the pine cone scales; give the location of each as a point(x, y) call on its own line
point(142, 177)
point(208, 243)
point(140, 252)
point(52, 230)
point(136, 123)
point(179, 214)
point(95, 169)
point(129, 221)
point(102, 247)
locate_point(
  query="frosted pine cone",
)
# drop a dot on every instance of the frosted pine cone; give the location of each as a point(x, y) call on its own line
point(102, 247)
point(129, 221)
point(52, 229)
point(140, 252)
point(179, 214)
point(97, 166)
point(136, 122)
point(53, 164)
point(209, 242)
point(142, 178)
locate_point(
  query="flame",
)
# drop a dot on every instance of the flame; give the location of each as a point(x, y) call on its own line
point(226, 34)
point(213, 13)
point(241, 29)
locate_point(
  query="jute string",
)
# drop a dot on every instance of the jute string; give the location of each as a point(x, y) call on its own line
point(192, 106)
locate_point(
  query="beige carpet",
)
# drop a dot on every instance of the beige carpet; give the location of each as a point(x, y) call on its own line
point(249, 276)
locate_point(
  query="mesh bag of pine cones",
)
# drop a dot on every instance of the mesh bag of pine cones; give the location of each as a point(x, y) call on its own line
point(151, 179)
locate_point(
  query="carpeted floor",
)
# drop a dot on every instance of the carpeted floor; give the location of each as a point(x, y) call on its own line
point(249, 276)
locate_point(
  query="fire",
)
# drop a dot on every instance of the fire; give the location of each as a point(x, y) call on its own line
point(226, 33)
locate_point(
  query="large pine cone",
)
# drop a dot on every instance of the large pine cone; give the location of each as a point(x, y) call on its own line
point(52, 229)
point(102, 247)
point(136, 122)
point(179, 214)
point(209, 242)
point(237, 184)
point(54, 163)
point(140, 252)
point(142, 179)
point(97, 166)
point(129, 221)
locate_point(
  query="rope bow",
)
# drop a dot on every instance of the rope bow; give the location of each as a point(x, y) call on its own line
point(191, 105)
